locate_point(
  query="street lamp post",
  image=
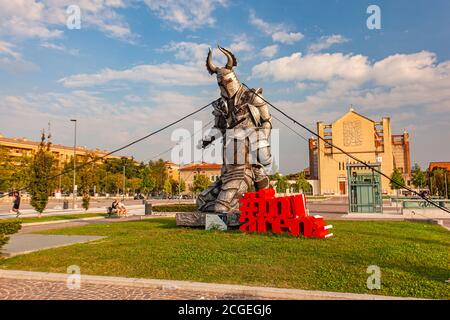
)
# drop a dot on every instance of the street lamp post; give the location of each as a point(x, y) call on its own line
point(74, 162)
point(123, 196)
point(446, 190)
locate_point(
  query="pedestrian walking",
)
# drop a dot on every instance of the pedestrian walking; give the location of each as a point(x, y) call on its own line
point(16, 204)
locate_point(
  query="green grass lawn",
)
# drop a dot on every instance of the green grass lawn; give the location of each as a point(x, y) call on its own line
point(45, 218)
point(413, 257)
point(179, 207)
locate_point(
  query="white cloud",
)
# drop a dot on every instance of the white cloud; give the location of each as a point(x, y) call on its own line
point(188, 51)
point(159, 74)
point(181, 15)
point(241, 43)
point(25, 19)
point(397, 81)
point(8, 49)
point(59, 47)
point(287, 37)
point(195, 53)
point(47, 19)
point(323, 67)
point(269, 51)
point(11, 60)
point(278, 32)
point(410, 68)
point(327, 41)
point(307, 85)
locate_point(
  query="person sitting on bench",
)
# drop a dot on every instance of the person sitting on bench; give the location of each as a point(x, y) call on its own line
point(121, 209)
point(113, 209)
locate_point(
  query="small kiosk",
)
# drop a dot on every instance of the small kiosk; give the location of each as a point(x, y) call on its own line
point(364, 188)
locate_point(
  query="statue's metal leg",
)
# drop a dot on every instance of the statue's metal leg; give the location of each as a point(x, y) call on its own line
point(261, 178)
point(206, 200)
point(235, 182)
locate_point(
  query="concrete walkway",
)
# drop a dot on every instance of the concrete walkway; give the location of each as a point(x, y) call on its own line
point(26, 243)
point(58, 224)
point(42, 285)
point(137, 209)
point(30, 213)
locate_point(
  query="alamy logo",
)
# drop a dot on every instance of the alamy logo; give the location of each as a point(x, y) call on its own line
point(374, 20)
point(73, 17)
point(74, 278)
point(374, 280)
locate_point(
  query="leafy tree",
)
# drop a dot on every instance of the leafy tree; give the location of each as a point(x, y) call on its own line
point(67, 178)
point(147, 180)
point(20, 176)
point(135, 184)
point(397, 177)
point(439, 181)
point(302, 184)
point(6, 169)
point(418, 177)
point(14, 171)
point(201, 182)
point(117, 182)
point(99, 177)
point(167, 186)
point(178, 186)
point(116, 166)
point(159, 173)
point(40, 170)
point(86, 174)
point(174, 185)
point(282, 183)
point(182, 186)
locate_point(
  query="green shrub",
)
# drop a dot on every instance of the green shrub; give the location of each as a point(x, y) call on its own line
point(175, 208)
point(8, 227)
point(3, 241)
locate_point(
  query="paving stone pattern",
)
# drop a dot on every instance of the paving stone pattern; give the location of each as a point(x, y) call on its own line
point(17, 289)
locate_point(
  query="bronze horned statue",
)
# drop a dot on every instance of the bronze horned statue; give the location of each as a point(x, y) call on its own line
point(243, 121)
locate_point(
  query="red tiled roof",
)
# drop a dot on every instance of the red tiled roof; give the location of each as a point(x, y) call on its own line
point(443, 164)
point(201, 166)
point(54, 146)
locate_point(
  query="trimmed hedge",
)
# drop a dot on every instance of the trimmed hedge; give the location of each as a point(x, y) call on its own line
point(3, 240)
point(8, 227)
point(175, 208)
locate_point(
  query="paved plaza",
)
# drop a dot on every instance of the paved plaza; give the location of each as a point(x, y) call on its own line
point(19, 289)
point(15, 285)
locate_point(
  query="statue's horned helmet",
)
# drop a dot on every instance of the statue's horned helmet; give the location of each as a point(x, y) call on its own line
point(226, 78)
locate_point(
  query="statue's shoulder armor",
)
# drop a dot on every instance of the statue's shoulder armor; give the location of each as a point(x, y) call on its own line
point(254, 97)
point(219, 107)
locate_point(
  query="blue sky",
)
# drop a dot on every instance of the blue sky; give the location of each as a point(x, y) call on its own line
point(137, 65)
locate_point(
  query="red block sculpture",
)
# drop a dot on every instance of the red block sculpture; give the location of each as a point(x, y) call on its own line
point(261, 211)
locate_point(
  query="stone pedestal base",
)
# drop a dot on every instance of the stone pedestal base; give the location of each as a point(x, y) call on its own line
point(216, 222)
point(197, 219)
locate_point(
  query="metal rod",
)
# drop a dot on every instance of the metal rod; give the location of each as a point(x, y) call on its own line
point(123, 190)
point(446, 190)
point(74, 198)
